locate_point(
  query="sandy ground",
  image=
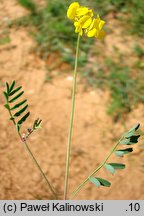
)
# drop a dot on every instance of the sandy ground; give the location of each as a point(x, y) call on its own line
point(93, 135)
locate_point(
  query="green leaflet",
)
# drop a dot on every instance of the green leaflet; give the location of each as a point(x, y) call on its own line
point(18, 105)
point(125, 141)
point(6, 95)
point(117, 165)
point(16, 97)
point(12, 118)
point(130, 141)
point(134, 128)
point(110, 168)
point(132, 131)
point(119, 153)
point(134, 139)
point(130, 138)
point(18, 128)
point(95, 181)
point(12, 86)
point(123, 151)
point(23, 118)
point(99, 182)
point(7, 88)
point(7, 106)
point(37, 123)
point(104, 182)
point(15, 90)
point(21, 111)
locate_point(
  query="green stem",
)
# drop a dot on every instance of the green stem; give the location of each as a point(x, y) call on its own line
point(39, 168)
point(71, 121)
point(34, 160)
point(95, 171)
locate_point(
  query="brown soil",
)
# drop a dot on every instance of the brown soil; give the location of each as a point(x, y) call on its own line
point(93, 135)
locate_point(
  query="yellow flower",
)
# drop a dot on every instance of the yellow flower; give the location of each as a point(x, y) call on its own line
point(82, 11)
point(71, 12)
point(83, 21)
point(95, 29)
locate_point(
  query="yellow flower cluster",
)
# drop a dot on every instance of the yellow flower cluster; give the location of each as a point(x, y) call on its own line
point(84, 21)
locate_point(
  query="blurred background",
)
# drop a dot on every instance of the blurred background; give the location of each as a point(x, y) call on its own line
point(37, 49)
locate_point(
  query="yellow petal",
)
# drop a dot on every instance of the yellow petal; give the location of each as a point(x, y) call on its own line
point(85, 21)
point(92, 32)
point(81, 11)
point(71, 12)
point(101, 35)
point(96, 23)
point(101, 24)
point(90, 13)
point(92, 24)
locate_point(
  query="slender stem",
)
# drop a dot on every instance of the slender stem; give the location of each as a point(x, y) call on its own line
point(95, 171)
point(34, 159)
point(42, 173)
point(71, 121)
